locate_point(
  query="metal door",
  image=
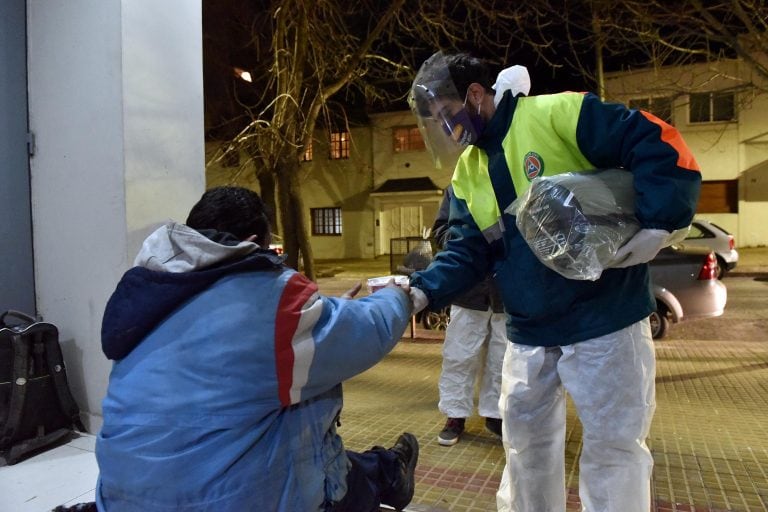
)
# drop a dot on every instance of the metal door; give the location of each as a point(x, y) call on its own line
point(17, 285)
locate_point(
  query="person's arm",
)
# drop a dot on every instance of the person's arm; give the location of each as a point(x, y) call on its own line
point(440, 226)
point(464, 261)
point(666, 176)
point(321, 341)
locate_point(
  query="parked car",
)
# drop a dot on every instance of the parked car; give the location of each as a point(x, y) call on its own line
point(276, 243)
point(708, 234)
point(685, 285)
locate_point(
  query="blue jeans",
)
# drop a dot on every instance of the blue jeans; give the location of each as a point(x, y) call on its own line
point(371, 477)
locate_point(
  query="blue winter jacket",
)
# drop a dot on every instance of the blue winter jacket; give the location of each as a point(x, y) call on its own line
point(225, 389)
point(544, 135)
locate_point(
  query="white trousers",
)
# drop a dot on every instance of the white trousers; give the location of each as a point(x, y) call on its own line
point(475, 342)
point(611, 382)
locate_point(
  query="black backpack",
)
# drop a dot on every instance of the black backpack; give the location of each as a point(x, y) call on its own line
point(36, 407)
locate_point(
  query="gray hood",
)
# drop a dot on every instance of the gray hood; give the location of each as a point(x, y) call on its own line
point(178, 248)
point(175, 263)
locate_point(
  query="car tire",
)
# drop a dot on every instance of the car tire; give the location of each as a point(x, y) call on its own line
point(436, 320)
point(659, 321)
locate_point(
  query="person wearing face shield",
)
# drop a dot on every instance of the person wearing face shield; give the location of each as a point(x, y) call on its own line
point(589, 339)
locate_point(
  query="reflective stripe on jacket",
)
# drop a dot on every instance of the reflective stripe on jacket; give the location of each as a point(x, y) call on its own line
point(230, 402)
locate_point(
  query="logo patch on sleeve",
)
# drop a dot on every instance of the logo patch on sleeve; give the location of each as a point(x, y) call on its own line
point(533, 165)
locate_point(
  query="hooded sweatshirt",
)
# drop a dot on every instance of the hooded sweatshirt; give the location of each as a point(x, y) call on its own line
point(226, 382)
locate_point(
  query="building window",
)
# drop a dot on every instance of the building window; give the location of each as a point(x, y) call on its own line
point(307, 156)
point(710, 107)
point(326, 221)
point(339, 145)
point(661, 107)
point(407, 138)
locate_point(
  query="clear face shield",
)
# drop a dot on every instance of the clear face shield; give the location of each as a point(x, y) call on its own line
point(441, 114)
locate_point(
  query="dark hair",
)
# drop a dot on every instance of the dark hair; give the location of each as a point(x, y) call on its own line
point(465, 70)
point(235, 210)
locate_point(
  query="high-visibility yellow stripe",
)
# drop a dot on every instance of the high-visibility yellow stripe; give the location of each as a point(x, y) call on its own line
point(544, 126)
point(472, 183)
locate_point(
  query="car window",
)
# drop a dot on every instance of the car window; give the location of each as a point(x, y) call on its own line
point(718, 227)
point(698, 232)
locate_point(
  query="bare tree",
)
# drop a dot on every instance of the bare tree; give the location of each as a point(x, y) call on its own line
point(309, 57)
point(656, 33)
point(694, 31)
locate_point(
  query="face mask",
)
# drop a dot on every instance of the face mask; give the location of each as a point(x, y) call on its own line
point(465, 127)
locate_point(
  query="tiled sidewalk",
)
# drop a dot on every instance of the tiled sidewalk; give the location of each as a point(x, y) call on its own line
point(709, 436)
point(400, 394)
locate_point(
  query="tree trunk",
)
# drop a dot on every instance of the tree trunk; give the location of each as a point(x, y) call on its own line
point(295, 233)
point(267, 192)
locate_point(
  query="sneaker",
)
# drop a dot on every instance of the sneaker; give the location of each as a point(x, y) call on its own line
point(401, 493)
point(453, 428)
point(493, 425)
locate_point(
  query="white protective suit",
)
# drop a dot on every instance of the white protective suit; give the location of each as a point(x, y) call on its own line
point(615, 461)
point(474, 341)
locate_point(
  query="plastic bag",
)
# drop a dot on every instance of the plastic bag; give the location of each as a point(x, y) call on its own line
point(575, 222)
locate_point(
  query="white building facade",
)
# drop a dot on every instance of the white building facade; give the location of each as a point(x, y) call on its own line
point(722, 113)
point(386, 186)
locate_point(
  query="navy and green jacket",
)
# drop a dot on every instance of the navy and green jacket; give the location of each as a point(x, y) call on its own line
point(546, 135)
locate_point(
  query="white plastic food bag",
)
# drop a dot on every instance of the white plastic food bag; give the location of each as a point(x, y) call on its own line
point(574, 222)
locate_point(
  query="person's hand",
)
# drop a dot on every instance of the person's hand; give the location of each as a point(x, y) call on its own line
point(405, 287)
point(352, 291)
point(641, 248)
point(417, 297)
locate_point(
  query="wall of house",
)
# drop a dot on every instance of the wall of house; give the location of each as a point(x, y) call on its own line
point(115, 102)
point(344, 183)
point(347, 183)
point(416, 209)
point(753, 155)
point(406, 164)
point(724, 150)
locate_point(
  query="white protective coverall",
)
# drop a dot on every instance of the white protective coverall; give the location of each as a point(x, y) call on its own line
point(474, 341)
point(613, 418)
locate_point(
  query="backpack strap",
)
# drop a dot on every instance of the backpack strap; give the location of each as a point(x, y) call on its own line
point(19, 377)
point(55, 362)
point(18, 314)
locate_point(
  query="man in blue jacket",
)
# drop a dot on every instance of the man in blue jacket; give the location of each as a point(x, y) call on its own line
point(226, 387)
point(590, 339)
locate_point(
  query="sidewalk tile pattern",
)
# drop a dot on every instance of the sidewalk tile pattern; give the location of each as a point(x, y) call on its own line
point(709, 438)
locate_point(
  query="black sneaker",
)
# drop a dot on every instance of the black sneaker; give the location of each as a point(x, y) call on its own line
point(401, 493)
point(453, 428)
point(493, 425)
